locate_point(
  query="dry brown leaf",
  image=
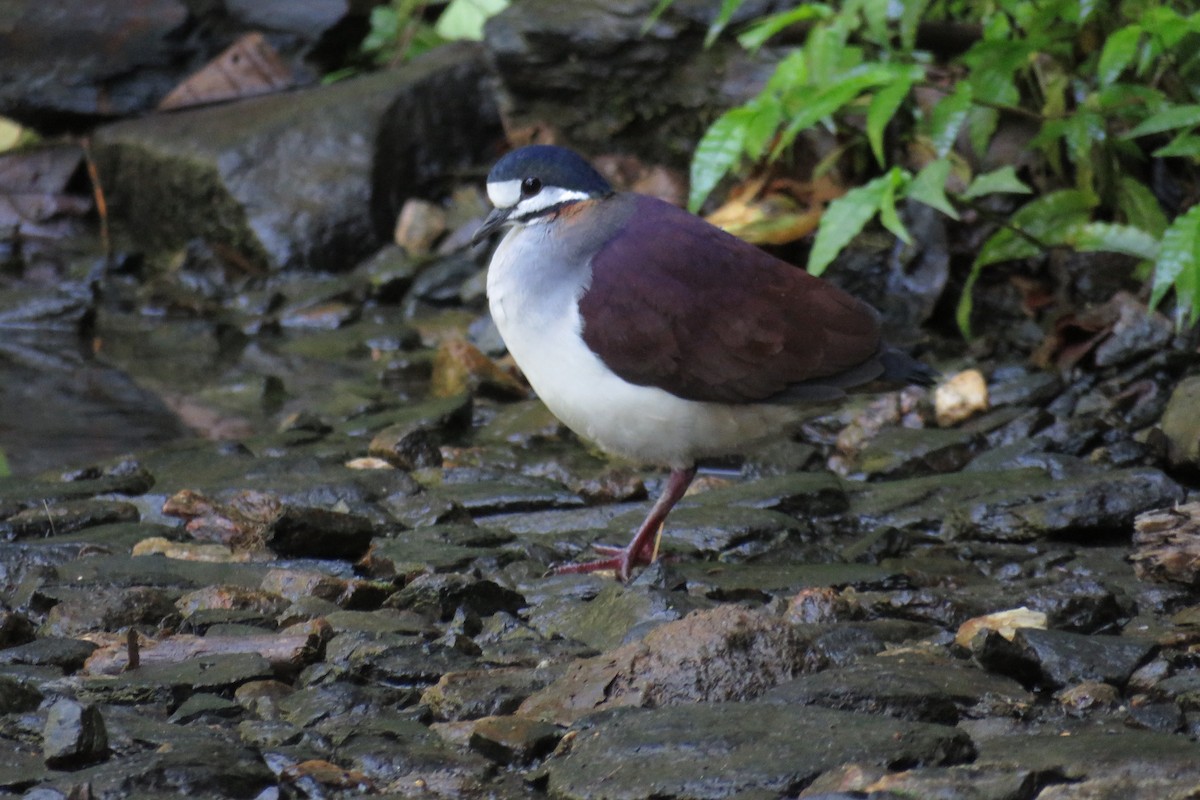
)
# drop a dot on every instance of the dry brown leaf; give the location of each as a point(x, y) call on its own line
point(250, 66)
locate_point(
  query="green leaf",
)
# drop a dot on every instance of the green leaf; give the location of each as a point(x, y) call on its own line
point(757, 35)
point(464, 19)
point(1047, 216)
point(1185, 145)
point(929, 187)
point(716, 153)
point(1001, 180)
point(1178, 264)
point(1043, 221)
point(962, 313)
point(896, 179)
point(1119, 50)
point(1140, 207)
point(5, 471)
point(844, 219)
point(817, 106)
point(761, 125)
point(882, 109)
point(910, 21)
point(728, 8)
point(1170, 118)
point(1091, 237)
point(947, 118)
point(658, 11)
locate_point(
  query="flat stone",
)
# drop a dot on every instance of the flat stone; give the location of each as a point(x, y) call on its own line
point(477, 693)
point(513, 740)
point(1088, 754)
point(65, 653)
point(204, 705)
point(724, 653)
point(721, 750)
point(18, 696)
point(174, 682)
point(246, 163)
point(799, 494)
point(605, 621)
point(909, 687)
point(1014, 505)
point(906, 452)
point(439, 596)
point(1062, 658)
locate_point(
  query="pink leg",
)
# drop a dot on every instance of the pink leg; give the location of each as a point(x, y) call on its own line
point(641, 550)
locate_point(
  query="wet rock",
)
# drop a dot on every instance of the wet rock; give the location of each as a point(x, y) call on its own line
point(74, 735)
point(198, 767)
point(760, 581)
point(1021, 386)
point(1181, 422)
point(441, 415)
point(929, 783)
point(66, 517)
point(59, 66)
point(108, 610)
point(17, 696)
point(1015, 505)
point(1167, 545)
point(904, 452)
point(459, 366)
point(173, 683)
point(612, 617)
point(1122, 787)
point(438, 548)
point(1055, 659)
point(513, 740)
point(205, 706)
point(714, 529)
point(159, 170)
point(497, 496)
point(262, 698)
point(318, 533)
point(656, 85)
point(1091, 753)
point(406, 448)
point(718, 750)
point(1183, 688)
point(439, 596)
point(726, 653)
point(399, 752)
point(909, 687)
point(488, 692)
point(65, 653)
point(15, 628)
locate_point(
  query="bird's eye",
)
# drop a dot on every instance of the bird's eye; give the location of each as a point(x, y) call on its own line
point(530, 187)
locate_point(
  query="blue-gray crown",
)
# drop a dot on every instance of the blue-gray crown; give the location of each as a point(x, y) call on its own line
point(553, 166)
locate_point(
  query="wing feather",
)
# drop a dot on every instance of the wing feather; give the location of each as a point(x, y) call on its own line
point(679, 304)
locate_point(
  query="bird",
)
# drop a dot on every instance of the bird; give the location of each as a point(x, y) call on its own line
point(658, 336)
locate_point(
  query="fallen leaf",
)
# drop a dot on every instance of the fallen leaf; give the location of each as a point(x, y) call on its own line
point(250, 66)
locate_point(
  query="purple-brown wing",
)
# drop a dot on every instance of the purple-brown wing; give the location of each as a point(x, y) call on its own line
point(679, 304)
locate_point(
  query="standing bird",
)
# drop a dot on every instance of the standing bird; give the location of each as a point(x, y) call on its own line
point(658, 336)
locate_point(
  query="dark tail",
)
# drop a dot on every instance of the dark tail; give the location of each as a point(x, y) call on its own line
point(901, 368)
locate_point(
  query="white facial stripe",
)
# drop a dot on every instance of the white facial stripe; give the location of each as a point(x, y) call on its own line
point(504, 194)
point(547, 197)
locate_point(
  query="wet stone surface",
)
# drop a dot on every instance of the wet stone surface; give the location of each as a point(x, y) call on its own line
point(341, 585)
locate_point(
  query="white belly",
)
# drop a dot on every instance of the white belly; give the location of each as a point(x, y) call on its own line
point(639, 422)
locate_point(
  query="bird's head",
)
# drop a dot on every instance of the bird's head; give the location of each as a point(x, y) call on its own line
point(534, 182)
